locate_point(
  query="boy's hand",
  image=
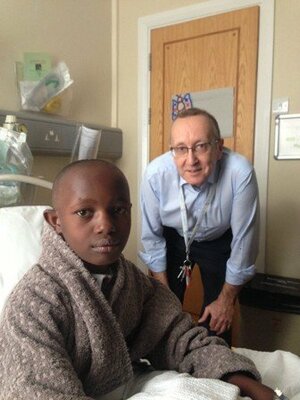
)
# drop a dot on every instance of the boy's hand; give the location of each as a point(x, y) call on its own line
point(250, 387)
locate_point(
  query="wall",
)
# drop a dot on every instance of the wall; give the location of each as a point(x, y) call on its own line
point(76, 31)
point(283, 216)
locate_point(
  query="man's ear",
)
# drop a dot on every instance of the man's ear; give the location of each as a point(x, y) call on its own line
point(52, 218)
point(220, 146)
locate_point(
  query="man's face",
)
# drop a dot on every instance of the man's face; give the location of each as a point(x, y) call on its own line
point(194, 167)
point(93, 215)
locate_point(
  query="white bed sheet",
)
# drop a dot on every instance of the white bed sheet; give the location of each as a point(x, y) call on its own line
point(278, 369)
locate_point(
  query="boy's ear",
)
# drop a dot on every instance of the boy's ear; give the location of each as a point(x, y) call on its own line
point(52, 218)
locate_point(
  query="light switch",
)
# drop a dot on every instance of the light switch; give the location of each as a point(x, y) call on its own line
point(280, 106)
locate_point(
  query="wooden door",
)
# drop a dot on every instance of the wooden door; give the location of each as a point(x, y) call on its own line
point(203, 54)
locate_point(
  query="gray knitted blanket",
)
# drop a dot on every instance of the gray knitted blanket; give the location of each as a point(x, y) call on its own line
point(62, 339)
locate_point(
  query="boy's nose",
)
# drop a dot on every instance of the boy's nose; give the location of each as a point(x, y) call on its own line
point(104, 223)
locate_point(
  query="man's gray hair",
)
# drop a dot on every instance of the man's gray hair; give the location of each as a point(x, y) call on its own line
point(191, 112)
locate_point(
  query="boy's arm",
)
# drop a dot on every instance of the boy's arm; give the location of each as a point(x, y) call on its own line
point(187, 348)
point(176, 343)
point(250, 387)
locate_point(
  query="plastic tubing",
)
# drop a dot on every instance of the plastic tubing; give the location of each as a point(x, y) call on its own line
point(26, 179)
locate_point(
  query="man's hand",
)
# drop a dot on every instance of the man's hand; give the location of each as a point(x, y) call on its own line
point(221, 310)
point(160, 276)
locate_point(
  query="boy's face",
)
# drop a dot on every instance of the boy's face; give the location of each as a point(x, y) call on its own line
point(93, 214)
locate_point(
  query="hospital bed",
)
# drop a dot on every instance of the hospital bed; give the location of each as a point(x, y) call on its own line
point(20, 245)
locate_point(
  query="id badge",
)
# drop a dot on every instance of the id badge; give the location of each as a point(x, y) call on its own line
point(185, 272)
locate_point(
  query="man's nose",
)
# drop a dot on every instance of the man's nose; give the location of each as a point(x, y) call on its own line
point(104, 222)
point(191, 156)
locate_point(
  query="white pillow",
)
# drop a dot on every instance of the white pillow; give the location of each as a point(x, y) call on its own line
point(20, 244)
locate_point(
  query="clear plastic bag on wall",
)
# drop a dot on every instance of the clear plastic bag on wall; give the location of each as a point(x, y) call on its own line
point(50, 94)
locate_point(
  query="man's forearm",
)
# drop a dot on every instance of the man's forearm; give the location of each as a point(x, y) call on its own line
point(229, 293)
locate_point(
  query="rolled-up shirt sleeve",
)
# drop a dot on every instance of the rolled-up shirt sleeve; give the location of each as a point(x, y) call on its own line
point(245, 230)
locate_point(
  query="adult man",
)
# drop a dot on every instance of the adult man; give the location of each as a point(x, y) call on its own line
point(200, 205)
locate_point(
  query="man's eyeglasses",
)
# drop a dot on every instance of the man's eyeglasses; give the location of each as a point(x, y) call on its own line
point(197, 149)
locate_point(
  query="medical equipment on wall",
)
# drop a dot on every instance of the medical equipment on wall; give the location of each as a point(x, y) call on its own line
point(15, 158)
point(57, 136)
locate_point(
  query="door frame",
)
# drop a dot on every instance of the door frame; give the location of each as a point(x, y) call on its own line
point(263, 95)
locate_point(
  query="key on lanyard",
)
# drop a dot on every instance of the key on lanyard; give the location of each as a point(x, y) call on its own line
point(185, 272)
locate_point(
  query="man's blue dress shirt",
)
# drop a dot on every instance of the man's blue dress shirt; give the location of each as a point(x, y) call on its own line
point(235, 205)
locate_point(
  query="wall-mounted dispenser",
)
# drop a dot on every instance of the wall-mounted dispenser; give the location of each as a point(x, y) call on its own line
point(57, 136)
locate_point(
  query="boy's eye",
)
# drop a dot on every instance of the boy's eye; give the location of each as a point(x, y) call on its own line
point(84, 213)
point(121, 210)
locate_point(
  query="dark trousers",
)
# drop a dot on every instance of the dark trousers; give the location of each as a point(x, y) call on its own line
point(210, 256)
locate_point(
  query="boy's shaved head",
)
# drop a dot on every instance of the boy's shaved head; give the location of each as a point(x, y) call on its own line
point(76, 167)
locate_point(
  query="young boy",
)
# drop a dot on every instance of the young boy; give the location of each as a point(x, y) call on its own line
point(84, 315)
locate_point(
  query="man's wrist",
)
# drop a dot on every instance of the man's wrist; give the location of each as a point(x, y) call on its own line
point(230, 292)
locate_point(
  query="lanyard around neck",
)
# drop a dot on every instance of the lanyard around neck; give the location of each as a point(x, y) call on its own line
point(188, 239)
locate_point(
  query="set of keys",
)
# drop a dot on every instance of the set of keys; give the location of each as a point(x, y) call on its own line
point(185, 272)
